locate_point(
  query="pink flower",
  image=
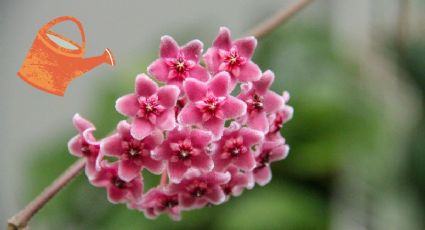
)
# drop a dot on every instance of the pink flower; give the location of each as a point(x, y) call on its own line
point(185, 148)
point(261, 101)
point(210, 104)
point(270, 151)
point(158, 201)
point(234, 148)
point(84, 144)
point(150, 107)
point(238, 182)
point(233, 57)
point(133, 154)
point(119, 191)
point(198, 189)
point(177, 64)
point(284, 114)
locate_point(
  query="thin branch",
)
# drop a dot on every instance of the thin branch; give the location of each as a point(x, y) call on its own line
point(20, 220)
point(277, 19)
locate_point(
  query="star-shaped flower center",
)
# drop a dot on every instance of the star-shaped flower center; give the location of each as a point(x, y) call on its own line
point(169, 202)
point(233, 59)
point(133, 149)
point(255, 103)
point(183, 150)
point(117, 182)
point(179, 67)
point(88, 149)
point(149, 108)
point(211, 106)
point(233, 147)
point(197, 188)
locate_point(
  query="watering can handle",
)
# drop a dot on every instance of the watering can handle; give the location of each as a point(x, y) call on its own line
point(55, 21)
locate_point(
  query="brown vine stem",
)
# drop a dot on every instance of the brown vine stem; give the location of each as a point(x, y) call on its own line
point(21, 219)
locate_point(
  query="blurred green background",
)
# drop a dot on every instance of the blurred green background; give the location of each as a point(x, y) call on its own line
point(354, 156)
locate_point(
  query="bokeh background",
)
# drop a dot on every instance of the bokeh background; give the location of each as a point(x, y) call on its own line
point(355, 71)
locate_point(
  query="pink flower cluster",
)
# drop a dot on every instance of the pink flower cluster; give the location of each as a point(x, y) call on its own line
point(207, 144)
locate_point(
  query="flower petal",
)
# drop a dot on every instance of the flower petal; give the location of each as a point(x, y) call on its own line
point(233, 107)
point(215, 196)
point(176, 171)
point(249, 72)
point(219, 84)
point(190, 115)
point(168, 47)
point(223, 40)
point(203, 162)
point(111, 145)
point(261, 86)
point(213, 60)
point(194, 89)
point(200, 138)
point(167, 120)
point(168, 95)
point(258, 121)
point(74, 146)
point(141, 128)
point(128, 170)
point(154, 166)
point(116, 195)
point(145, 86)
point(199, 73)
point(263, 175)
point(192, 50)
point(251, 136)
point(153, 140)
point(245, 161)
point(159, 70)
point(246, 46)
point(273, 102)
point(127, 105)
point(215, 125)
point(81, 123)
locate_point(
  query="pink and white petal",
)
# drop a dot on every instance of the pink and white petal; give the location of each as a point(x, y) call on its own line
point(168, 95)
point(187, 201)
point(263, 84)
point(192, 50)
point(127, 105)
point(213, 60)
point(145, 86)
point(153, 140)
point(159, 69)
point(249, 72)
point(219, 163)
point(112, 145)
point(141, 128)
point(263, 175)
point(176, 171)
point(223, 39)
point(135, 189)
point(233, 107)
point(116, 195)
point(258, 121)
point(219, 178)
point(154, 166)
point(161, 153)
point(90, 168)
point(251, 136)
point(195, 89)
point(215, 125)
point(215, 195)
point(200, 138)
point(74, 146)
point(123, 129)
point(279, 153)
point(128, 170)
point(245, 161)
point(167, 120)
point(168, 47)
point(203, 162)
point(199, 73)
point(246, 46)
point(190, 115)
point(219, 84)
point(81, 123)
point(273, 102)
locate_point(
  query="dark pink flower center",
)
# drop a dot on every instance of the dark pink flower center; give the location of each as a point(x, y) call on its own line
point(277, 123)
point(233, 148)
point(88, 149)
point(211, 106)
point(255, 103)
point(118, 183)
point(197, 188)
point(180, 67)
point(263, 160)
point(169, 202)
point(233, 59)
point(133, 149)
point(227, 188)
point(183, 151)
point(149, 107)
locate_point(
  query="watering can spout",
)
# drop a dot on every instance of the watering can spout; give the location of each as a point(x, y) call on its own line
point(89, 63)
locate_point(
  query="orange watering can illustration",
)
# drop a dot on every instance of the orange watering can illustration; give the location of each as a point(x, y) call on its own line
point(54, 60)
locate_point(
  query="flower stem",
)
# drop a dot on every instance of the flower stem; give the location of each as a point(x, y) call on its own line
point(164, 178)
point(21, 219)
point(277, 19)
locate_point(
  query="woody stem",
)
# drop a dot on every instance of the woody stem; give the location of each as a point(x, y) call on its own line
point(20, 220)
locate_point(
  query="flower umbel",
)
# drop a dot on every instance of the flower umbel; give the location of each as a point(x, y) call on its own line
point(208, 145)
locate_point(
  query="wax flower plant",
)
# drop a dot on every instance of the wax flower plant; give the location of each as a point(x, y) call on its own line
point(207, 144)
